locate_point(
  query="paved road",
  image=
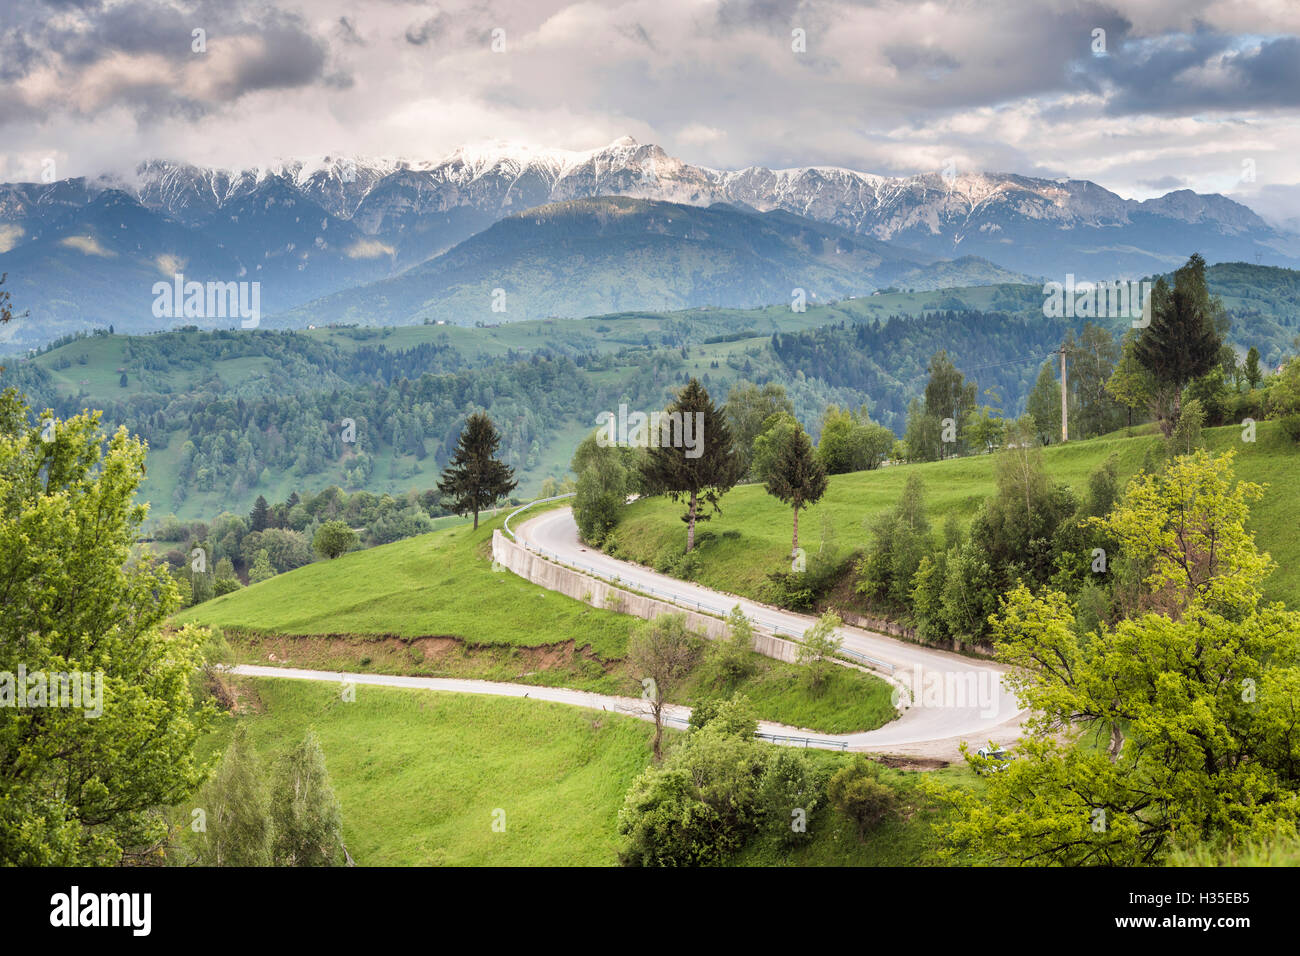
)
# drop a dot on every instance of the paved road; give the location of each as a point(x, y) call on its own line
point(674, 714)
point(948, 698)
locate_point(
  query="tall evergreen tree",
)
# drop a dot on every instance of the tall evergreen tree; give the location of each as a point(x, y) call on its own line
point(680, 472)
point(796, 477)
point(1183, 340)
point(474, 480)
point(1252, 372)
point(257, 520)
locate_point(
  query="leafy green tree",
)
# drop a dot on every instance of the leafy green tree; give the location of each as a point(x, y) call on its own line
point(788, 795)
point(261, 569)
point(1130, 383)
point(603, 487)
point(1186, 436)
point(731, 659)
point(661, 654)
point(818, 648)
point(795, 476)
point(1193, 699)
point(702, 474)
point(748, 408)
point(899, 540)
point(334, 538)
point(1183, 340)
point(1091, 362)
point(734, 716)
point(77, 789)
point(769, 441)
point(948, 395)
point(475, 480)
point(238, 825)
point(304, 810)
point(856, 791)
point(1044, 405)
point(851, 442)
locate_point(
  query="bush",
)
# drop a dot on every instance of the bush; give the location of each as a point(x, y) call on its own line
point(856, 792)
point(333, 538)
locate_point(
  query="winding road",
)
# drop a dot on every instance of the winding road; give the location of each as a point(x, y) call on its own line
point(945, 698)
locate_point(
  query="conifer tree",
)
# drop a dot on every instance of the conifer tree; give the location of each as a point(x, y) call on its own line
point(701, 473)
point(475, 480)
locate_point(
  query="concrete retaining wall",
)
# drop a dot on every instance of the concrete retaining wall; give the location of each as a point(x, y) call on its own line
point(555, 577)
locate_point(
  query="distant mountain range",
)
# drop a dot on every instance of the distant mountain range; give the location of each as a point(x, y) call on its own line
point(81, 253)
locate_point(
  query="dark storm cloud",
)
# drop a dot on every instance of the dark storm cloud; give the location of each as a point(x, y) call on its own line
point(283, 52)
point(1190, 74)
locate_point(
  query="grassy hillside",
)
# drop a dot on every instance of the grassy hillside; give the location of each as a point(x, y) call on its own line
point(751, 536)
point(419, 774)
point(438, 766)
point(433, 606)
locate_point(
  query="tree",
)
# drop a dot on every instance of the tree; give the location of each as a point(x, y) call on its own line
point(1186, 436)
point(122, 382)
point(1183, 340)
point(1252, 371)
point(1194, 698)
point(1044, 405)
point(899, 540)
point(795, 477)
point(948, 396)
point(603, 486)
point(474, 480)
point(852, 442)
point(661, 654)
point(238, 825)
point(80, 784)
point(819, 646)
point(731, 659)
point(1130, 383)
point(333, 538)
point(261, 569)
point(1091, 360)
point(748, 408)
point(856, 791)
point(702, 473)
point(306, 814)
point(259, 517)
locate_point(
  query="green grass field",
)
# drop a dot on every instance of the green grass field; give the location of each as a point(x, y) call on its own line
point(419, 774)
point(383, 610)
point(751, 536)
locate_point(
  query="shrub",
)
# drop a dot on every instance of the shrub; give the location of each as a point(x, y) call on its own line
point(856, 792)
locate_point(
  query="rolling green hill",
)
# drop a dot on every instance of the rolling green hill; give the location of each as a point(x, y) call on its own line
point(432, 605)
point(737, 548)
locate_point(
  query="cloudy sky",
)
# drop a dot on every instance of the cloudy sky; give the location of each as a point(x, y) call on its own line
point(1142, 96)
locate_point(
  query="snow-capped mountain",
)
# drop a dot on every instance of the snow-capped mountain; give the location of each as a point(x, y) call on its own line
point(311, 227)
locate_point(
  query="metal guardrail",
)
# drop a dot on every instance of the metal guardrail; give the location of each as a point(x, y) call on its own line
point(529, 505)
point(671, 598)
point(779, 738)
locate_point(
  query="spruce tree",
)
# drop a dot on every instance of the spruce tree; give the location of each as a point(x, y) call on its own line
point(796, 477)
point(1182, 342)
point(475, 480)
point(681, 473)
point(257, 520)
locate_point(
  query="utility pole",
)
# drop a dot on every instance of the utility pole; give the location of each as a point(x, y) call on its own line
point(1065, 405)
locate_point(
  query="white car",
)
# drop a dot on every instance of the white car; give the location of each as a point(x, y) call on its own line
point(994, 752)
